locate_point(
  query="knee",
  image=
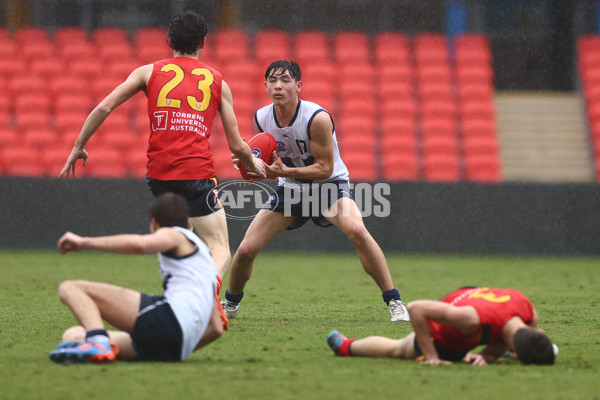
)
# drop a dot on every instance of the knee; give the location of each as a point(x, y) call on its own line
point(246, 253)
point(65, 288)
point(358, 234)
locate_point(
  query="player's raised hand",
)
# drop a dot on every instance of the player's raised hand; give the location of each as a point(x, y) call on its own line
point(69, 242)
point(72, 161)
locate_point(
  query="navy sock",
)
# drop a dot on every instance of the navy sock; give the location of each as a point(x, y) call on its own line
point(234, 298)
point(393, 294)
point(95, 332)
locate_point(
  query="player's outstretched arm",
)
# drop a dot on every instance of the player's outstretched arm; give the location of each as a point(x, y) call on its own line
point(136, 81)
point(162, 240)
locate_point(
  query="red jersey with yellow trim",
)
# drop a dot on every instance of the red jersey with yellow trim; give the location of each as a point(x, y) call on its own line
point(495, 308)
point(184, 95)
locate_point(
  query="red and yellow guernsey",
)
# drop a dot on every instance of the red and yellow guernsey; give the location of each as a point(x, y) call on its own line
point(495, 308)
point(184, 96)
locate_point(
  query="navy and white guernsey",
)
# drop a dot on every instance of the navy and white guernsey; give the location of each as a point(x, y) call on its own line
point(189, 285)
point(293, 141)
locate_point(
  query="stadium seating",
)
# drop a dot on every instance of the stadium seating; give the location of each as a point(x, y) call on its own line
point(405, 108)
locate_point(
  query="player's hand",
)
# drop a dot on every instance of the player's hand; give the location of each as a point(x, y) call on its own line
point(476, 359)
point(259, 170)
point(72, 161)
point(235, 161)
point(276, 169)
point(69, 242)
point(436, 361)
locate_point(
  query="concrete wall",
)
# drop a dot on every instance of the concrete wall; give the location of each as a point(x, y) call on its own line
point(462, 218)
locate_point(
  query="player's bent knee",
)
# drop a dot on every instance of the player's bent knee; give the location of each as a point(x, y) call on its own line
point(246, 252)
point(358, 234)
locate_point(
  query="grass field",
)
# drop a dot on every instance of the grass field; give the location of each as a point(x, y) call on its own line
point(276, 348)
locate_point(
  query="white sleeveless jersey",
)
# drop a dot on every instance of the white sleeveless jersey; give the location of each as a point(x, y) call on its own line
point(293, 141)
point(189, 285)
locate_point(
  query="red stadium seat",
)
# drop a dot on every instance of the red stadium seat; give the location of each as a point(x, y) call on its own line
point(11, 66)
point(400, 143)
point(391, 48)
point(23, 161)
point(110, 34)
point(148, 53)
point(40, 138)
point(475, 92)
point(439, 127)
point(31, 34)
point(150, 35)
point(38, 50)
point(47, 67)
point(398, 127)
point(26, 84)
point(441, 168)
point(54, 159)
point(440, 145)
point(483, 168)
point(351, 47)
point(69, 121)
point(480, 145)
point(70, 35)
point(311, 46)
point(401, 107)
point(477, 109)
point(435, 91)
point(68, 84)
point(33, 119)
point(400, 167)
point(475, 75)
point(104, 162)
point(8, 137)
point(361, 166)
point(478, 127)
point(231, 45)
point(29, 102)
point(271, 45)
point(441, 108)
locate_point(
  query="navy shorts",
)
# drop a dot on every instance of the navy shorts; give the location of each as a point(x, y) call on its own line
point(312, 196)
point(201, 195)
point(157, 335)
point(443, 353)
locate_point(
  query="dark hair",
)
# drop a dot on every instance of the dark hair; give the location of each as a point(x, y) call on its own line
point(187, 32)
point(170, 209)
point(291, 66)
point(533, 347)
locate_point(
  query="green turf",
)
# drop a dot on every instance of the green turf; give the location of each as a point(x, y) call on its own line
point(276, 348)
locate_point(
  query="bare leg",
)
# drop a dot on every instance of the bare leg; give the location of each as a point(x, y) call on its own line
point(212, 229)
point(349, 220)
point(379, 347)
point(93, 302)
point(264, 228)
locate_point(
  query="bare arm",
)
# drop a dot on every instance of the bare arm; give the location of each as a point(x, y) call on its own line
point(164, 239)
point(321, 147)
point(136, 82)
point(465, 319)
point(237, 146)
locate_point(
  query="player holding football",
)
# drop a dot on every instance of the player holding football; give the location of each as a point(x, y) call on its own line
point(446, 331)
point(152, 328)
point(184, 96)
point(310, 161)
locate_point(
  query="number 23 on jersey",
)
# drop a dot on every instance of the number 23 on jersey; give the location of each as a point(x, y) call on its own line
point(204, 84)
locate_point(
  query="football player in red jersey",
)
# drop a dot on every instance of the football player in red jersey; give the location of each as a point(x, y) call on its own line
point(446, 331)
point(184, 96)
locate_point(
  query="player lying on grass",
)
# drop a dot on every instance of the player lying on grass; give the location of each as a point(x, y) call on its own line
point(446, 330)
point(152, 328)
